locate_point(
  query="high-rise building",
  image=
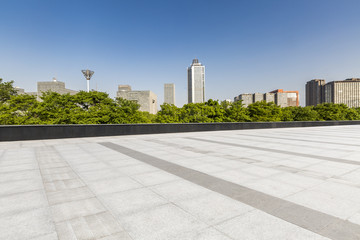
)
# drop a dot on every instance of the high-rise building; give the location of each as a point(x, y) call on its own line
point(346, 92)
point(196, 82)
point(169, 93)
point(279, 97)
point(315, 92)
point(146, 99)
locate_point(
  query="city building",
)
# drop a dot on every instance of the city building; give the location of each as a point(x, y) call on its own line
point(53, 86)
point(346, 92)
point(146, 99)
point(169, 93)
point(315, 92)
point(196, 82)
point(286, 98)
point(279, 97)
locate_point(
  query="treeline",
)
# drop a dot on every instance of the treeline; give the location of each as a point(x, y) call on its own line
point(98, 108)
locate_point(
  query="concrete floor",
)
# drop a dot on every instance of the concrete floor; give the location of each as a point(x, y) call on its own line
point(293, 183)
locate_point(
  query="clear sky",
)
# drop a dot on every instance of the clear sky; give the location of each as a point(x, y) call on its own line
point(246, 45)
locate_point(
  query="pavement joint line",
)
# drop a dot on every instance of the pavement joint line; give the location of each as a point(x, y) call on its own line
point(301, 140)
point(312, 220)
point(282, 168)
point(54, 151)
point(323, 135)
point(330, 159)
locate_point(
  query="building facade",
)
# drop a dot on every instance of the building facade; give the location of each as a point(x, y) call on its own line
point(315, 92)
point(196, 82)
point(279, 97)
point(346, 92)
point(169, 93)
point(146, 99)
point(53, 86)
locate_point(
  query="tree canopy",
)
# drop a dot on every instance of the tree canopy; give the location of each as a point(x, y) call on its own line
point(98, 108)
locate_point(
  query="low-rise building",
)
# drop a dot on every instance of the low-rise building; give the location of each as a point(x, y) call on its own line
point(146, 99)
point(279, 97)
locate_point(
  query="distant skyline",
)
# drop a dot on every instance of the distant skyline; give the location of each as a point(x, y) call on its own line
point(246, 46)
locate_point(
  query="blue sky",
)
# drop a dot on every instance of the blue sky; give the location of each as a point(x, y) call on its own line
point(246, 45)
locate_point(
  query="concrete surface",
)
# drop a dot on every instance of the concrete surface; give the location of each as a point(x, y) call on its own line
point(290, 183)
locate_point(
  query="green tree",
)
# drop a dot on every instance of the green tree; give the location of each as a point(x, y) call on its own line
point(236, 112)
point(19, 110)
point(332, 111)
point(168, 113)
point(6, 90)
point(264, 112)
point(305, 114)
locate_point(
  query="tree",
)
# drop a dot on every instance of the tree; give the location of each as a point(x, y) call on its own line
point(169, 113)
point(264, 112)
point(6, 90)
point(237, 112)
point(332, 111)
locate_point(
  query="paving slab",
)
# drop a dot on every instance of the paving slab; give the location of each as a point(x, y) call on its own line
point(293, 183)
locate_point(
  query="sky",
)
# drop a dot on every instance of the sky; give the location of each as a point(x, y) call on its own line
point(246, 46)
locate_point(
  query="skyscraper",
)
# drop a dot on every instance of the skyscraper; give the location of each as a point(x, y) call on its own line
point(346, 91)
point(196, 82)
point(169, 93)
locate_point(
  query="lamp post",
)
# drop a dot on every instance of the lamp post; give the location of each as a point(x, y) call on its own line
point(88, 74)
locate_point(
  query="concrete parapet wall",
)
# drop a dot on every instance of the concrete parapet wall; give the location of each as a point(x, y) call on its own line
point(38, 132)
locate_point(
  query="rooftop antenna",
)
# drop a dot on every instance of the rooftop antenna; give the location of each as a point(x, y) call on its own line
point(87, 74)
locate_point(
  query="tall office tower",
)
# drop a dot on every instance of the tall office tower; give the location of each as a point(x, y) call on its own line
point(169, 93)
point(315, 92)
point(196, 82)
point(347, 92)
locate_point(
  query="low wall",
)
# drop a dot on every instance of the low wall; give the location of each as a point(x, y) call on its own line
point(37, 132)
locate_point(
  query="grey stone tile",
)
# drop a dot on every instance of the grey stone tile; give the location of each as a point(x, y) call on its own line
point(261, 226)
point(136, 169)
point(63, 184)
point(18, 167)
point(59, 170)
point(15, 203)
point(132, 201)
point(76, 209)
point(163, 222)
point(26, 225)
point(113, 185)
point(153, 178)
point(20, 175)
point(213, 208)
point(326, 203)
point(272, 187)
point(68, 195)
point(179, 190)
point(96, 226)
point(117, 236)
point(99, 175)
point(53, 165)
point(20, 186)
point(59, 176)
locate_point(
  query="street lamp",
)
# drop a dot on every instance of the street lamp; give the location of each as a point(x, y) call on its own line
point(88, 74)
